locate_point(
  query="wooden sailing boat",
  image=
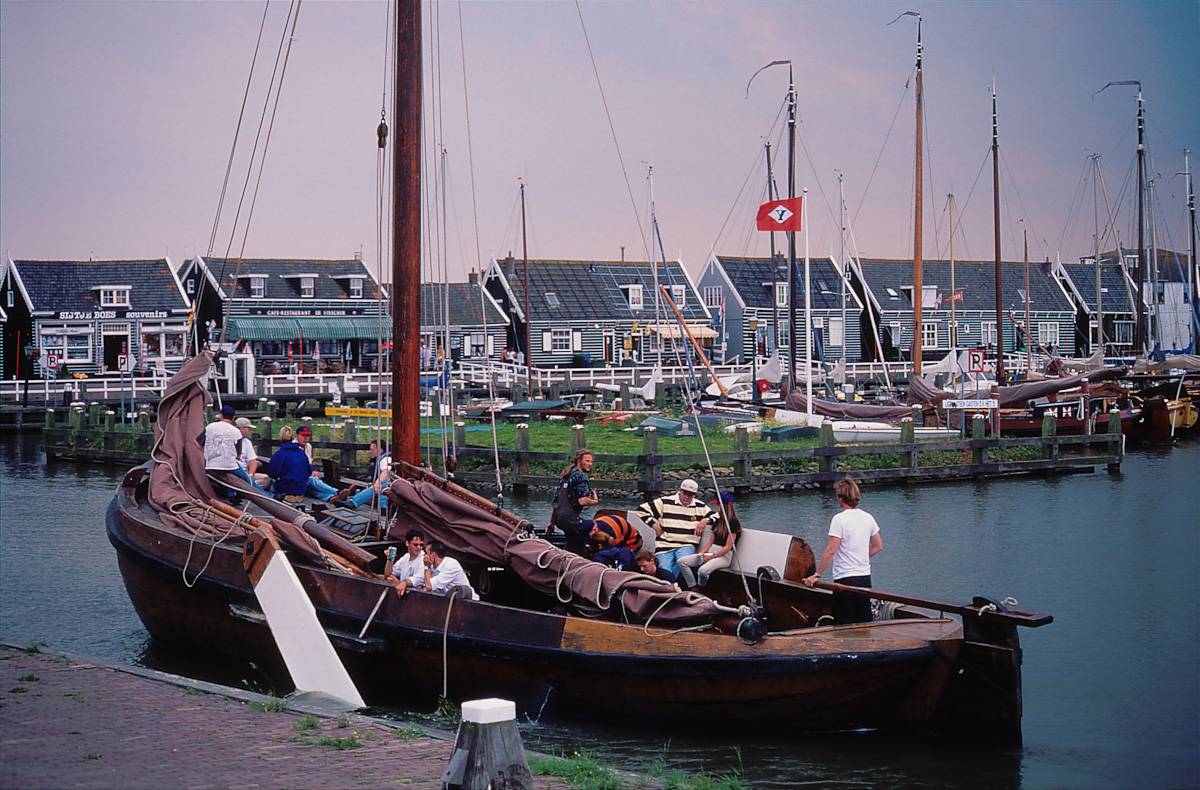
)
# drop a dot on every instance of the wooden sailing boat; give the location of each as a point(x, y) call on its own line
point(552, 631)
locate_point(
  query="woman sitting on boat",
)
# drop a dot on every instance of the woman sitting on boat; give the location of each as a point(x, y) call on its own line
point(289, 468)
point(717, 551)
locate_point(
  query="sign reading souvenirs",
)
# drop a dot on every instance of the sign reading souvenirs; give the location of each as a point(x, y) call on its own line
point(97, 315)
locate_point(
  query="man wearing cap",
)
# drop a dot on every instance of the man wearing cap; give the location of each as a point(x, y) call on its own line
point(678, 522)
point(219, 442)
point(316, 486)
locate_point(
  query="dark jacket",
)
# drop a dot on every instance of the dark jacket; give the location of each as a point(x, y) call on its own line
point(290, 469)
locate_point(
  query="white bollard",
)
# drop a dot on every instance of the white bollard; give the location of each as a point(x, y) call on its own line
point(488, 752)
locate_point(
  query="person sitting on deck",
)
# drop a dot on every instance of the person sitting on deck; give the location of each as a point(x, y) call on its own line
point(611, 541)
point(678, 521)
point(411, 565)
point(381, 470)
point(647, 563)
point(247, 456)
point(442, 573)
point(316, 486)
point(289, 468)
point(717, 551)
point(219, 441)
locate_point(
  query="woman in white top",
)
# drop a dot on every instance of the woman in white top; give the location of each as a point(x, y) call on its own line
point(853, 541)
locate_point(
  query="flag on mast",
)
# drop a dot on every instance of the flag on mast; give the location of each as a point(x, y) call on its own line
point(780, 215)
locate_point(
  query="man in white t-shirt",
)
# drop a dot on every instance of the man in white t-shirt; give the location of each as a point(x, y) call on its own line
point(409, 569)
point(853, 541)
point(219, 442)
point(442, 573)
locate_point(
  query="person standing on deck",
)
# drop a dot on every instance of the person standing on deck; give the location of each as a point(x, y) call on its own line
point(219, 441)
point(574, 493)
point(678, 522)
point(853, 541)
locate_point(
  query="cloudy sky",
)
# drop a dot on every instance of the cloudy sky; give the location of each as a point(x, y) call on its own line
point(117, 120)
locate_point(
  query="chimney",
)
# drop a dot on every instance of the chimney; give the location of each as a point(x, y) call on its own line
point(473, 277)
point(510, 266)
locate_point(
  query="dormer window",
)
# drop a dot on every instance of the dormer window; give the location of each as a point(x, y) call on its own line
point(356, 291)
point(258, 287)
point(114, 296)
point(678, 295)
point(635, 296)
point(307, 287)
point(781, 293)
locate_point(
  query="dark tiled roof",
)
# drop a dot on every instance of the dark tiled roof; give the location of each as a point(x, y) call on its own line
point(591, 290)
point(752, 278)
point(332, 281)
point(1116, 290)
point(465, 309)
point(975, 279)
point(67, 285)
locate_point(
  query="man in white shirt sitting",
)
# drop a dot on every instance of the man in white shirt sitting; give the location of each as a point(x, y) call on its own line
point(411, 566)
point(442, 573)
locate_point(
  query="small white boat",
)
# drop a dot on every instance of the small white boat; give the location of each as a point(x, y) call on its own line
point(859, 432)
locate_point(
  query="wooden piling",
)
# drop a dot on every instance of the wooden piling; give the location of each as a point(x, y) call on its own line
point(826, 463)
point(651, 465)
point(488, 752)
point(979, 455)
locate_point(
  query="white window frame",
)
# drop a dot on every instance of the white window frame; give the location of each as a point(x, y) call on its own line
point(114, 297)
point(1122, 333)
point(987, 332)
point(929, 334)
point(679, 295)
point(356, 287)
point(477, 344)
point(258, 287)
point(635, 297)
point(308, 287)
point(1048, 333)
point(191, 287)
point(781, 294)
point(712, 295)
point(560, 341)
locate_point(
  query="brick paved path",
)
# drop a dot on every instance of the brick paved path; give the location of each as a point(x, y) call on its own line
point(65, 723)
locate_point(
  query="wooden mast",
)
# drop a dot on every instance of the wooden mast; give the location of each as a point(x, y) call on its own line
point(1141, 340)
point(918, 220)
point(996, 234)
point(406, 234)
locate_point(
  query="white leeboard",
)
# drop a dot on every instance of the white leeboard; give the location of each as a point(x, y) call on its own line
point(306, 649)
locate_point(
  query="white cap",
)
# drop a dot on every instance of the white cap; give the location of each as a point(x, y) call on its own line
point(689, 485)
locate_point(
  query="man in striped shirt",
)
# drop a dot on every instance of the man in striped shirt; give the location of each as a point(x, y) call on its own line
point(678, 522)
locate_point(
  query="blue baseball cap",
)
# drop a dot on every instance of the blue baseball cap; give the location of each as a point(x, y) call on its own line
point(228, 411)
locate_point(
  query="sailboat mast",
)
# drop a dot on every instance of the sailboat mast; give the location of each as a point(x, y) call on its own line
point(1140, 339)
point(525, 281)
point(1096, 250)
point(1028, 325)
point(953, 292)
point(918, 217)
point(658, 310)
point(774, 264)
point(406, 231)
point(996, 234)
point(1192, 280)
point(842, 267)
point(791, 234)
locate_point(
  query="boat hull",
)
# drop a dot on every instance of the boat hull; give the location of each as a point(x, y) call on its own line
point(869, 675)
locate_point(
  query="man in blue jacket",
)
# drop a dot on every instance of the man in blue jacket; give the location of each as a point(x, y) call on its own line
point(289, 467)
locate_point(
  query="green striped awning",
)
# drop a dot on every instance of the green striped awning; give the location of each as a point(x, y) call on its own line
point(348, 328)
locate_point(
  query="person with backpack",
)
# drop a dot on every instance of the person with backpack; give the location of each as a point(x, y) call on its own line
point(573, 494)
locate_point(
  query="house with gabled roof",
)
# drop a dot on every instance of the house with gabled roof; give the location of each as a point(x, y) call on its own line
point(1170, 304)
point(318, 314)
point(962, 317)
point(585, 313)
point(476, 325)
point(86, 314)
point(755, 297)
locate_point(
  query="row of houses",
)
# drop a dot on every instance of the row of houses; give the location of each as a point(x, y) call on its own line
point(332, 315)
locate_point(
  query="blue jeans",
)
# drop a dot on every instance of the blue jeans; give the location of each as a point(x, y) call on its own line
point(363, 497)
point(240, 472)
point(320, 489)
point(667, 560)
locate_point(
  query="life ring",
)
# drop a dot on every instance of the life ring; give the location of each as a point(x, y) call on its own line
point(763, 385)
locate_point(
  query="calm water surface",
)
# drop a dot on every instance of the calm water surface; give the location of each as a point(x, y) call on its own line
point(1112, 687)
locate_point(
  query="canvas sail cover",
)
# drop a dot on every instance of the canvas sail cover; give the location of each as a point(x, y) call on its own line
point(588, 587)
point(179, 487)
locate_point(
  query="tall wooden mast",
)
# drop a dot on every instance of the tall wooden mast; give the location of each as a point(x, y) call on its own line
point(918, 218)
point(996, 234)
point(406, 234)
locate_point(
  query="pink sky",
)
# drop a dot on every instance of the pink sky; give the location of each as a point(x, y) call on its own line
point(116, 121)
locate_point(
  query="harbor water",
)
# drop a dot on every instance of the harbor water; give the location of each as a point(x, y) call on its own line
point(1111, 687)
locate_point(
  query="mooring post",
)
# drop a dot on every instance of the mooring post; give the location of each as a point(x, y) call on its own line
point(460, 434)
point(578, 439)
point(110, 436)
point(741, 466)
point(520, 463)
point(826, 463)
point(49, 419)
point(908, 437)
point(652, 471)
point(349, 455)
point(1114, 440)
point(488, 752)
point(1049, 437)
point(262, 405)
point(518, 393)
point(978, 454)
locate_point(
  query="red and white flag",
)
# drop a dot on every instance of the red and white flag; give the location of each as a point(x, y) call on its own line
point(780, 215)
